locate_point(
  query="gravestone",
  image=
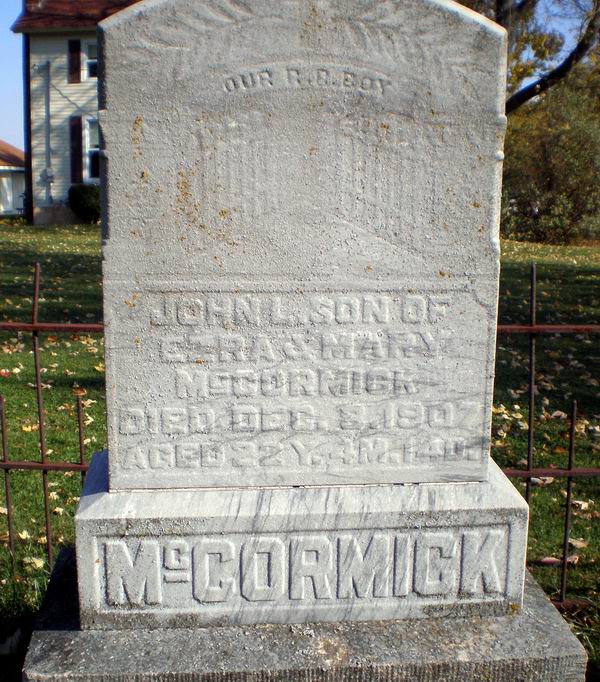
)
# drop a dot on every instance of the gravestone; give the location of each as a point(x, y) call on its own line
point(301, 262)
point(301, 279)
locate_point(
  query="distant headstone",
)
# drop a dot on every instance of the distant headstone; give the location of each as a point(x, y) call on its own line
point(301, 279)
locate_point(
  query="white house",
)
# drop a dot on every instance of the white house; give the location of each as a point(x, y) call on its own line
point(12, 179)
point(61, 100)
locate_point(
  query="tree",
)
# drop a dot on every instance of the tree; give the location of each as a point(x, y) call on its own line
point(552, 168)
point(546, 40)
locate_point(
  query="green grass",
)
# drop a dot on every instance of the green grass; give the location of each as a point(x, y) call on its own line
point(70, 292)
point(568, 366)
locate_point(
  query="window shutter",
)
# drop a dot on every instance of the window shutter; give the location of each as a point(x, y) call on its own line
point(74, 61)
point(76, 133)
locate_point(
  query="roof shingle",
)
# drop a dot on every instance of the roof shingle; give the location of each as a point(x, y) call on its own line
point(67, 14)
point(11, 156)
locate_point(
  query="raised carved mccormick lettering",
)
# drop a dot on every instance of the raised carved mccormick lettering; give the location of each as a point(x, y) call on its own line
point(302, 570)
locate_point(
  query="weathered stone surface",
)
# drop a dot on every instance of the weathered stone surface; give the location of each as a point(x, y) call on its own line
point(177, 558)
point(301, 255)
point(528, 646)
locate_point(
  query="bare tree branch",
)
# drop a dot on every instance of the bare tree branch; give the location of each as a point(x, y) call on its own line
point(504, 10)
point(586, 42)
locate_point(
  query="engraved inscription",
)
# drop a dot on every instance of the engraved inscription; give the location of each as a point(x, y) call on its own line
point(300, 568)
point(305, 382)
point(295, 76)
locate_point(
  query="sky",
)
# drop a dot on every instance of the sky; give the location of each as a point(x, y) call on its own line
point(11, 76)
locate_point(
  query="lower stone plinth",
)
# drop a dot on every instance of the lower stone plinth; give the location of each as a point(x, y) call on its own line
point(181, 558)
point(534, 644)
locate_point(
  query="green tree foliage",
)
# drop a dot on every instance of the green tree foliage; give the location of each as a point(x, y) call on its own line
point(546, 40)
point(551, 171)
point(552, 167)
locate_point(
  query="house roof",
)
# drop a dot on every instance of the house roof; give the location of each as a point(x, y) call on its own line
point(66, 14)
point(11, 156)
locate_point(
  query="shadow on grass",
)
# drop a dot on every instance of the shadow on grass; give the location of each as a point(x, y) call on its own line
point(70, 285)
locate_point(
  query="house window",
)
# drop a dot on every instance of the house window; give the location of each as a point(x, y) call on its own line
point(91, 161)
point(91, 60)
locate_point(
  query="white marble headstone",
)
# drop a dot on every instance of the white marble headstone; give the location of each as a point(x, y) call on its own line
point(301, 243)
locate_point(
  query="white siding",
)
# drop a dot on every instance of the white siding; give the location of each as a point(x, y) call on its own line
point(66, 100)
point(12, 186)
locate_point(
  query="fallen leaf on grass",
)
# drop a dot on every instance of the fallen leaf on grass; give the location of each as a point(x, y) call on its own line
point(578, 544)
point(3, 510)
point(24, 535)
point(572, 559)
point(581, 505)
point(542, 481)
point(33, 562)
point(59, 511)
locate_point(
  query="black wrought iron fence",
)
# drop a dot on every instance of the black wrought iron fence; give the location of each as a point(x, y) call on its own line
point(44, 465)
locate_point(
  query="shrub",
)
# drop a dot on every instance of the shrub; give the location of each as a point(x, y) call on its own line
point(84, 201)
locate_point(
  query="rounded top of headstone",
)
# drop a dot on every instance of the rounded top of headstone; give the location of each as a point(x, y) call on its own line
point(437, 54)
point(228, 9)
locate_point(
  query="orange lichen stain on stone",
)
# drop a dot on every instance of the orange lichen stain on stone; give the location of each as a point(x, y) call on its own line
point(441, 273)
point(145, 175)
point(314, 21)
point(186, 207)
point(333, 651)
point(137, 135)
point(476, 204)
point(223, 213)
point(132, 302)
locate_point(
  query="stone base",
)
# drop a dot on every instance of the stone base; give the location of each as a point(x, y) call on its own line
point(532, 645)
point(59, 214)
point(186, 558)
